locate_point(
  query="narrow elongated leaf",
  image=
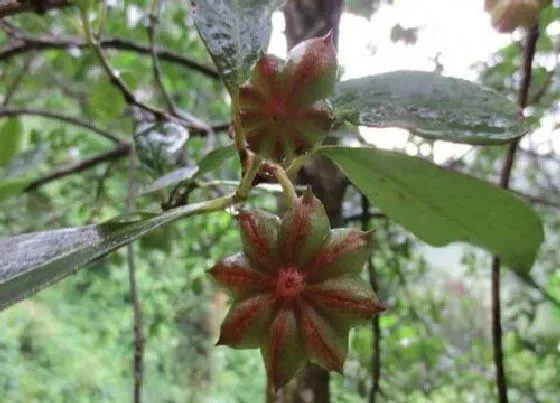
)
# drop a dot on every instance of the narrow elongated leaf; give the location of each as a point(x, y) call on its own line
point(207, 164)
point(235, 32)
point(441, 206)
point(12, 139)
point(430, 106)
point(33, 261)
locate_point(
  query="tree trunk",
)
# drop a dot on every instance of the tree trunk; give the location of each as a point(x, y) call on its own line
point(307, 19)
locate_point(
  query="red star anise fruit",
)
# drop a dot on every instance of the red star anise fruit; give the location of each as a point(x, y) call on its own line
point(283, 108)
point(297, 289)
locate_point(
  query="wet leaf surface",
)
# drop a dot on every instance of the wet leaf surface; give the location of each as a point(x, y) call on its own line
point(430, 106)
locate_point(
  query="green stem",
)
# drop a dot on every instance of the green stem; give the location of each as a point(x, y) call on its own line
point(247, 180)
point(238, 134)
point(92, 41)
point(298, 162)
point(218, 204)
point(296, 165)
point(287, 185)
point(102, 17)
point(86, 24)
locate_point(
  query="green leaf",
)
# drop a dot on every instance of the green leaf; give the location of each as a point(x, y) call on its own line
point(158, 145)
point(430, 106)
point(161, 239)
point(441, 206)
point(235, 33)
point(209, 163)
point(33, 261)
point(197, 285)
point(172, 178)
point(106, 101)
point(13, 139)
point(547, 322)
point(22, 164)
point(12, 188)
point(363, 8)
point(214, 159)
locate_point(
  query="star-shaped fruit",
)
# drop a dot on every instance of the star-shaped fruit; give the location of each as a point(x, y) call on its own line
point(283, 109)
point(297, 289)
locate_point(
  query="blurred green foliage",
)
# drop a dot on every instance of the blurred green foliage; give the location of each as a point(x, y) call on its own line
point(73, 342)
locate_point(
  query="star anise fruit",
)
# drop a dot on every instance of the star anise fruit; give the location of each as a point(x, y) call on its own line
point(297, 289)
point(507, 15)
point(283, 109)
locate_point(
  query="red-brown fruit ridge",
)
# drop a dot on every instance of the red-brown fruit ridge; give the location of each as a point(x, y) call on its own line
point(297, 289)
point(283, 108)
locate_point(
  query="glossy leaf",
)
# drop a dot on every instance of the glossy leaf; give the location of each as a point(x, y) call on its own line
point(235, 33)
point(33, 261)
point(430, 106)
point(12, 139)
point(441, 206)
point(208, 163)
point(158, 145)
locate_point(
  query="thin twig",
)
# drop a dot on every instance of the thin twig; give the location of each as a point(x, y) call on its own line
point(501, 381)
point(134, 295)
point(532, 283)
point(220, 126)
point(11, 90)
point(151, 29)
point(11, 30)
point(113, 75)
point(130, 98)
point(48, 42)
point(81, 166)
point(45, 113)
point(455, 163)
point(375, 327)
point(541, 92)
point(550, 156)
point(537, 199)
point(158, 78)
point(13, 7)
point(544, 88)
point(529, 53)
point(13, 112)
point(100, 189)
